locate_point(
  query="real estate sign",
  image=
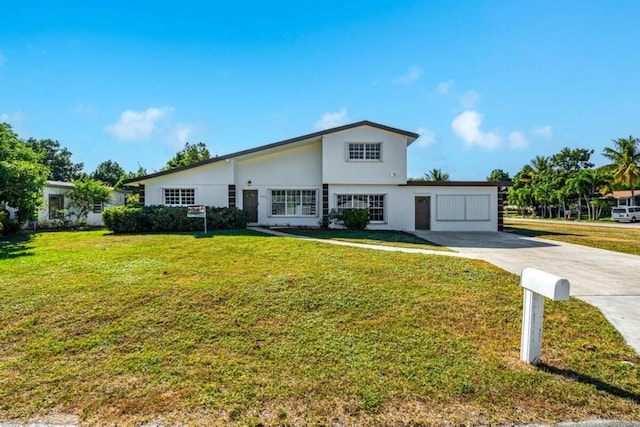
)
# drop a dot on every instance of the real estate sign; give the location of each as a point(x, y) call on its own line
point(198, 211)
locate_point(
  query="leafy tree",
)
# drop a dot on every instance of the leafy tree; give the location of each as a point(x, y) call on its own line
point(84, 194)
point(569, 162)
point(498, 175)
point(22, 176)
point(57, 159)
point(108, 172)
point(625, 158)
point(436, 175)
point(191, 153)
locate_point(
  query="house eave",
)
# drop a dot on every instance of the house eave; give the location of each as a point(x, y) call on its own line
point(458, 184)
point(411, 136)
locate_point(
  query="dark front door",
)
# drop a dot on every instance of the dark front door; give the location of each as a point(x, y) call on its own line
point(250, 204)
point(423, 213)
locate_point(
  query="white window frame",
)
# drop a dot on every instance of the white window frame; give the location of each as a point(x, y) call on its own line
point(298, 208)
point(371, 151)
point(365, 201)
point(183, 200)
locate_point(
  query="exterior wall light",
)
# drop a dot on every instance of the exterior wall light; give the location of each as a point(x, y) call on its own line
point(249, 183)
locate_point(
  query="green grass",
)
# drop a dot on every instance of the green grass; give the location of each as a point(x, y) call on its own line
point(626, 240)
point(241, 328)
point(371, 237)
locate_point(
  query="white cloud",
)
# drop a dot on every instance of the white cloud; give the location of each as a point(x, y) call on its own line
point(467, 126)
point(12, 119)
point(443, 87)
point(182, 133)
point(330, 120)
point(134, 125)
point(469, 99)
point(427, 138)
point(544, 131)
point(517, 140)
point(410, 76)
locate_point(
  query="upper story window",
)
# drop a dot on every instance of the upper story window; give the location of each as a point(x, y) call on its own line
point(179, 196)
point(364, 151)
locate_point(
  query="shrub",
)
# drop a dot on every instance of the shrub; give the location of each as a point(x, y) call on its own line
point(352, 219)
point(144, 219)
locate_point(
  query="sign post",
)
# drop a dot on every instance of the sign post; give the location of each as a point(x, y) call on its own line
point(537, 285)
point(198, 211)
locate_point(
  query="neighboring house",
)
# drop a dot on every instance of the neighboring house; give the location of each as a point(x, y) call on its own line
point(56, 205)
point(298, 181)
point(623, 197)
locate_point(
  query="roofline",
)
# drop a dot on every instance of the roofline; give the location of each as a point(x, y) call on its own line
point(459, 184)
point(411, 135)
point(67, 184)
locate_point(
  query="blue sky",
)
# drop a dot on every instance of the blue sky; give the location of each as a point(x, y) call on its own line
point(488, 84)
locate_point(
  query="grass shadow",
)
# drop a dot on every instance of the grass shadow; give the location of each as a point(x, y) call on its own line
point(586, 379)
point(364, 236)
point(195, 234)
point(15, 246)
point(534, 233)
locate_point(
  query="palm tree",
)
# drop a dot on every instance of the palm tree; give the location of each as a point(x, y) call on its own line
point(625, 157)
point(436, 175)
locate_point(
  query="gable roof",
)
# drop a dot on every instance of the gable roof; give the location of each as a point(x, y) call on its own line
point(411, 136)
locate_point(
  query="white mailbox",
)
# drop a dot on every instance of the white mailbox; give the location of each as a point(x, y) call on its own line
point(537, 285)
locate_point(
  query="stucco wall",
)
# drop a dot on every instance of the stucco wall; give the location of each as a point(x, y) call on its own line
point(211, 184)
point(400, 206)
point(391, 169)
point(296, 168)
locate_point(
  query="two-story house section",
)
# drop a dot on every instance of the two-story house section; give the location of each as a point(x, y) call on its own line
point(298, 181)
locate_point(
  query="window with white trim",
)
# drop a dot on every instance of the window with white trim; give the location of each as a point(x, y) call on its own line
point(373, 202)
point(179, 196)
point(293, 203)
point(364, 151)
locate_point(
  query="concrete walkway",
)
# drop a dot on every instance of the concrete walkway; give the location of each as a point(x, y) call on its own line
point(608, 280)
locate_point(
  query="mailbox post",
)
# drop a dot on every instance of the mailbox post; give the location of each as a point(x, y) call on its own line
point(537, 285)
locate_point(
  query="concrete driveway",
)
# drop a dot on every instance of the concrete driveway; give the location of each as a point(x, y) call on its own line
point(605, 279)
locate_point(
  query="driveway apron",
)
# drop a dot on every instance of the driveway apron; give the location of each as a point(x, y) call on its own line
point(608, 280)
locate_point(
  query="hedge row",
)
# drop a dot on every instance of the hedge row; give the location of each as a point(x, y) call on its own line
point(144, 219)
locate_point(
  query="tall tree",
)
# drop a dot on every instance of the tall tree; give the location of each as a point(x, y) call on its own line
point(588, 185)
point(569, 161)
point(108, 172)
point(57, 159)
point(191, 153)
point(625, 162)
point(22, 176)
point(497, 175)
point(436, 175)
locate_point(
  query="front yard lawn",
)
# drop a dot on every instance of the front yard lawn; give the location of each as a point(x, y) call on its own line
point(626, 240)
point(247, 329)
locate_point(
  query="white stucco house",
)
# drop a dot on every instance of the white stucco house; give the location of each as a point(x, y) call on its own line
point(56, 205)
point(298, 181)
